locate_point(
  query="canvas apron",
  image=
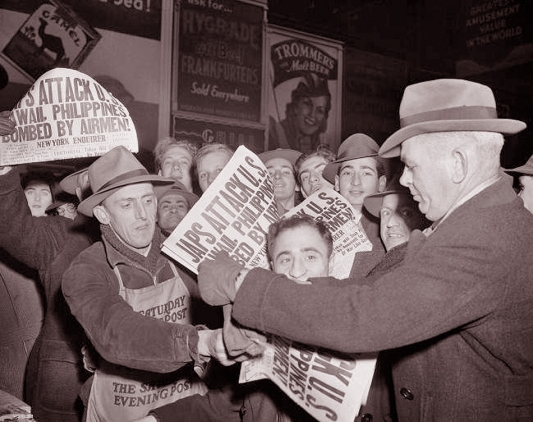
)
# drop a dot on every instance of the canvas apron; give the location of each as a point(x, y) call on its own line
point(120, 394)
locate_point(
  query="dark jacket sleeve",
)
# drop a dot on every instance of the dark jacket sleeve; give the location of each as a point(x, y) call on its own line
point(442, 288)
point(119, 334)
point(35, 241)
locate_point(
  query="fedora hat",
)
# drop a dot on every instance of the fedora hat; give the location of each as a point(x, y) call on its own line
point(70, 183)
point(290, 155)
point(373, 202)
point(177, 188)
point(447, 105)
point(526, 169)
point(353, 147)
point(112, 171)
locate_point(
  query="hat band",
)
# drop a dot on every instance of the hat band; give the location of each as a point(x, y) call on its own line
point(124, 176)
point(455, 113)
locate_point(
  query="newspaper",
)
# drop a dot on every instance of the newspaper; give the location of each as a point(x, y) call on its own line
point(234, 214)
point(66, 114)
point(329, 386)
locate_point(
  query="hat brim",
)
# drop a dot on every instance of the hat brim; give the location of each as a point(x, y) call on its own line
point(391, 147)
point(288, 154)
point(162, 191)
point(526, 170)
point(70, 182)
point(86, 206)
point(373, 202)
point(332, 168)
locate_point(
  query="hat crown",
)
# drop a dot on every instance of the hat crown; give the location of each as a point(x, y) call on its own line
point(446, 99)
point(118, 164)
point(356, 146)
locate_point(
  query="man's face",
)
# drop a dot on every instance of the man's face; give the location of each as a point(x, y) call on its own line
point(428, 179)
point(131, 213)
point(39, 197)
point(171, 209)
point(281, 173)
point(67, 210)
point(399, 216)
point(300, 253)
point(209, 166)
point(310, 112)
point(526, 191)
point(176, 164)
point(310, 175)
point(357, 179)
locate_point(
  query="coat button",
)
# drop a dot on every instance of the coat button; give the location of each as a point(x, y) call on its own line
point(367, 417)
point(407, 394)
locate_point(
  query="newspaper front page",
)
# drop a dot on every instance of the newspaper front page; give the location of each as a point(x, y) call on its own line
point(234, 214)
point(66, 114)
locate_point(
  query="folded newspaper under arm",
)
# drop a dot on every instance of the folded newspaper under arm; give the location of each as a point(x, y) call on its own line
point(234, 214)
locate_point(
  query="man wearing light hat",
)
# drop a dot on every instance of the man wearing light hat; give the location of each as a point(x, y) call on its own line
point(133, 303)
point(525, 182)
point(460, 306)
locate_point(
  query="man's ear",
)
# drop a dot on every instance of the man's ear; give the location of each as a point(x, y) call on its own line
point(101, 214)
point(382, 182)
point(460, 165)
point(336, 185)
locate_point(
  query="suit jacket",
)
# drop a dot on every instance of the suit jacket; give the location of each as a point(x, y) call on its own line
point(461, 303)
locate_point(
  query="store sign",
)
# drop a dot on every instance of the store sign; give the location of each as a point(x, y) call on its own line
point(494, 35)
point(219, 61)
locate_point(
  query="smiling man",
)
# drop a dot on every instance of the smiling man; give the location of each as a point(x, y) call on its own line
point(309, 168)
point(358, 172)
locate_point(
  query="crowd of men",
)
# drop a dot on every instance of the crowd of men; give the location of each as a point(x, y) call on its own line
point(445, 295)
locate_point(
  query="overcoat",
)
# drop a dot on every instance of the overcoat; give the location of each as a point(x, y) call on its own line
point(461, 303)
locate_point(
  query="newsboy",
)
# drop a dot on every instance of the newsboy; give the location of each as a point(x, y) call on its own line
point(132, 302)
point(460, 306)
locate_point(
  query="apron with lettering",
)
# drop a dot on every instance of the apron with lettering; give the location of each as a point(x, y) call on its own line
point(120, 394)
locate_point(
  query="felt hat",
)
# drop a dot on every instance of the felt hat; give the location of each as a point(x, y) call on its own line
point(373, 202)
point(290, 155)
point(112, 171)
point(526, 169)
point(447, 105)
point(177, 188)
point(353, 147)
point(70, 183)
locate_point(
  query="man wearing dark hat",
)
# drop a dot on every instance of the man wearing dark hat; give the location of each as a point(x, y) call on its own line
point(460, 305)
point(356, 173)
point(172, 205)
point(525, 182)
point(306, 116)
point(133, 303)
point(280, 166)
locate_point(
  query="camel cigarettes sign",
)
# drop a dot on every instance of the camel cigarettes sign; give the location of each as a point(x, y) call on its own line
point(66, 114)
point(52, 36)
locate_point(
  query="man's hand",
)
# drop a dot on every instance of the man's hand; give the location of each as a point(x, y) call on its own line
point(7, 126)
point(241, 343)
point(217, 278)
point(211, 344)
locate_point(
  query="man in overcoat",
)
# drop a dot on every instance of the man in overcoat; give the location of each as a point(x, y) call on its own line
point(460, 306)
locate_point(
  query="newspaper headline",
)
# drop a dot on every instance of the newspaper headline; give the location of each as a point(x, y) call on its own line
point(66, 114)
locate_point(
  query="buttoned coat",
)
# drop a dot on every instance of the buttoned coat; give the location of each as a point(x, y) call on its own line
point(460, 306)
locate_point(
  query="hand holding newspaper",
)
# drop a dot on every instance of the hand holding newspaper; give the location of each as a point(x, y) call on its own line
point(234, 215)
point(66, 114)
